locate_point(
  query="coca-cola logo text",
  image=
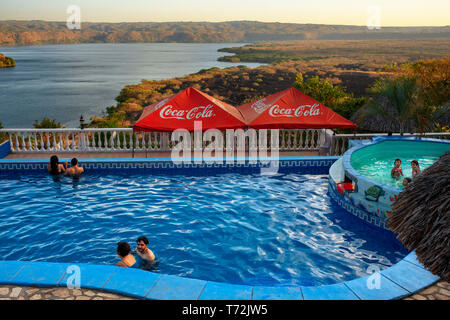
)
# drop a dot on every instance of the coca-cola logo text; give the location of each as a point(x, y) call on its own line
point(300, 111)
point(200, 112)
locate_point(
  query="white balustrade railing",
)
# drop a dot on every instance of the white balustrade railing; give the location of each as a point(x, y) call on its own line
point(123, 140)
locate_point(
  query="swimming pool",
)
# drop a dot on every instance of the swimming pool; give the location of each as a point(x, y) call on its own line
point(376, 161)
point(240, 228)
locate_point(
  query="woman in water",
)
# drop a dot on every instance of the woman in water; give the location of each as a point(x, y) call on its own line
point(126, 259)
point(54, 167)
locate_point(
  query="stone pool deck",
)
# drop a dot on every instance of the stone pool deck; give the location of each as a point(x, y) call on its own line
point(438, 291)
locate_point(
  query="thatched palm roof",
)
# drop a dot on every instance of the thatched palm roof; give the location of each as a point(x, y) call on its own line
point(421, 217)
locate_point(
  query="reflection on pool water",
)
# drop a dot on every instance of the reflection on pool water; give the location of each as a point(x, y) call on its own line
point(236, 228)
point(377, 160)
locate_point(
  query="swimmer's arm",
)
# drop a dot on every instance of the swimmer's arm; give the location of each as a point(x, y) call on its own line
point(120, 264)
point(149, 255)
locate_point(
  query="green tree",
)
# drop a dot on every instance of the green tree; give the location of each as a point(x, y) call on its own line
point(3, 136)
point(46, 123)
point(332, 96)
point(401, 96)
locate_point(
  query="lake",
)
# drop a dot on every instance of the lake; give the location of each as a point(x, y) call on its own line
point(63, 82)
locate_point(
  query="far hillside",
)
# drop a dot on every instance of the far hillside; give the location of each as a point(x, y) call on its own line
point(13, 33)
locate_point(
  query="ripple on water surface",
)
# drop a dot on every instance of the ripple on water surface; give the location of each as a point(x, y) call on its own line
point(243, 229)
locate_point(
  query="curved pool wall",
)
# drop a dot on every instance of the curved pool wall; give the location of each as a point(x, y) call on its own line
point(402, 279)
point(374, 210)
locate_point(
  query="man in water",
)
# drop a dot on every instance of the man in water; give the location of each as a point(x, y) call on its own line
point(143, 252)
point(74, 170)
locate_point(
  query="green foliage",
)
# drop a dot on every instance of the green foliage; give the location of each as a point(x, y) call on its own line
point(348, 107)
point(6, 62)
point(46, 123)
point(3, 136)
point(401, 96)
point(332, 96)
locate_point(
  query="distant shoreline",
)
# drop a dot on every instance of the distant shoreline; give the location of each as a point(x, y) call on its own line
point(20, 33)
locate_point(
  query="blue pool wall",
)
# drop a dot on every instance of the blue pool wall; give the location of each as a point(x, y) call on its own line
point(400, 280)
point(356, 202)
point(310, 165)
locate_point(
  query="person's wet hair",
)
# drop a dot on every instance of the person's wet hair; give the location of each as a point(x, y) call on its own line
point(415, 162)
point(143, 239)
point(54, 164)
point(74, 162)
point(123, 248)
point(397, 160)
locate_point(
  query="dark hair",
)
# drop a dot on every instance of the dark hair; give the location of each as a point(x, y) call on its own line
point(397, 160)
point(54, 164)
point(74, 162)
point(123, 248)
point(408, 179)
point(143, 239)
point(415, 162)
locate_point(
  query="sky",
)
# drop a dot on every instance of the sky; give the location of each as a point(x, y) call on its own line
point(340, 12)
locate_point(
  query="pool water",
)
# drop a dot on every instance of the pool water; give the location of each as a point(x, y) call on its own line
point(376, 161)
point(236, 228)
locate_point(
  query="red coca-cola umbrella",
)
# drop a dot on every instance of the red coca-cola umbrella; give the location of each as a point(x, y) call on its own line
point(184, 108)
point(291, 109)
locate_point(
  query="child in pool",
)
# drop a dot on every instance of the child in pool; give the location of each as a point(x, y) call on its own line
point(406, 181)
point(396, 171)
point(415, 169)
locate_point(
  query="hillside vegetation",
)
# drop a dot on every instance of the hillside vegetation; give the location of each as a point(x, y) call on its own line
point(345, 69)
point(14, 33)
point(6, 62)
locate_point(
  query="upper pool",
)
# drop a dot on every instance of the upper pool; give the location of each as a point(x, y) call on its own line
point(376, 161)
point(236, 228)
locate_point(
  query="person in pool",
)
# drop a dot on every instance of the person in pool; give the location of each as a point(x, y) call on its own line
point(406, 181)
point(143, 252)
point(126, 259)
point(415, 169)
point(54, 167)
point(74, 170)
point(396, 171)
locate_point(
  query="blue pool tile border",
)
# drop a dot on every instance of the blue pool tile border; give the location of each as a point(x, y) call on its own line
point(402, 279)
point(319, 165)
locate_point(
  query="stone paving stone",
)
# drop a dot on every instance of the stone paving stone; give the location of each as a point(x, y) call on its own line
point(438, 291)
point(89, 293)
point(4, 291)
point(31, 291)
point(15, 292)
point(61, 293)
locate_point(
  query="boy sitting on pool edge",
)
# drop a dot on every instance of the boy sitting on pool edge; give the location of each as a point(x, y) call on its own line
point(144, 253)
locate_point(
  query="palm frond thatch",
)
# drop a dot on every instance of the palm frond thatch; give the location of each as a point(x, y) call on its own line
point(421, 217)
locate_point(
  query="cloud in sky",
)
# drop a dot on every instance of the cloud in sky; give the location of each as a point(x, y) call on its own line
point(343, 12)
